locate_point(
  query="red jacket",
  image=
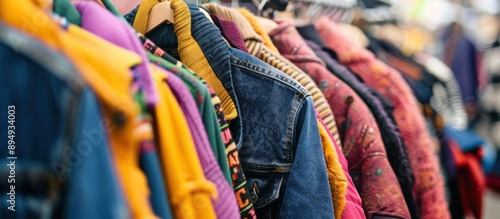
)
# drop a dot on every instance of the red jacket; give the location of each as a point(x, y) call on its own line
point(429, 185)
point(362, 142)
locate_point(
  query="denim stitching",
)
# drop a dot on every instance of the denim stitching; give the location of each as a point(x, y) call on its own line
point(258, 168)
point(268, 73)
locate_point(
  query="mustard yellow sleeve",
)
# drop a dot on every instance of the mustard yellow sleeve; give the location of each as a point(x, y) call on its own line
point(190, 192)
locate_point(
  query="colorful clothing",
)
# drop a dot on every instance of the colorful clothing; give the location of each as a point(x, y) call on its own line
point(194, 83)
point(462, 56)
point(382, 111)
point(122, 35)
point(209, 115)
point(276, 135)
point(63, 162)
point(258, 48)
point(429, 185)
point(202, 94)
point(190, 193)
point(338, 174)
point(447, 99)
point(363, 145)
point(230, 31)
point(107, 74)
point(207, 159)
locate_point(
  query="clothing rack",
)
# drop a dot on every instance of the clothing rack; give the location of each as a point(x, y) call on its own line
point(216, 112)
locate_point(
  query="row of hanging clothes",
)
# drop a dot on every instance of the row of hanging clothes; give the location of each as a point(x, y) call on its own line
point(184, 110)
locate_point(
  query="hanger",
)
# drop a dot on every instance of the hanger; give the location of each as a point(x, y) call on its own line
point(377, 11)
point(333, 9)
point(160, 13)
point(266, 8)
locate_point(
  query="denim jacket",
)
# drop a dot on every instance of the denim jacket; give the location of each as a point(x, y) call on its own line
point(278, 142)
point(275, 131)
point(63, 166)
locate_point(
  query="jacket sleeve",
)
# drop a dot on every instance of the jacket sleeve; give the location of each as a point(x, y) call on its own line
point(307, 192)
point(92, 180)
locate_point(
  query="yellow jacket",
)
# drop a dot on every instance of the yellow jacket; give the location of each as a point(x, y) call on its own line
point(189, 190)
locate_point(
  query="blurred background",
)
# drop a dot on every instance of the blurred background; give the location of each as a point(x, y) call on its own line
point(429, 26)
point(424, 25)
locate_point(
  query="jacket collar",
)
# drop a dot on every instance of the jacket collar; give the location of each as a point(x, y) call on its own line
point(309, 32)
point(246, 29)
point(292, 45)
point(346, 51)
point(202, 49)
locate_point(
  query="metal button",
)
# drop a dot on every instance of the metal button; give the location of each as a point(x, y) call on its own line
point(253, 194)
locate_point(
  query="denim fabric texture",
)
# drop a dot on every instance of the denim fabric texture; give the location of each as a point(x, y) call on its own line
point(279, 142)
point(276, 132)
point(63, 165)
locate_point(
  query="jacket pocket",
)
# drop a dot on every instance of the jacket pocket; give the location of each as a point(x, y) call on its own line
point(265, 182)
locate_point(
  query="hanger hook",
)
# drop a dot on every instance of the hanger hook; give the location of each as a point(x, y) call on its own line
point(261, 7)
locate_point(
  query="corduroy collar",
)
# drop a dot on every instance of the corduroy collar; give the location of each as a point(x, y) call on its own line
point(246, 29)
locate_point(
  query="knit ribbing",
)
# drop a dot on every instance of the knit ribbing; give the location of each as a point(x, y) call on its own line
point(192, 54)
point(141, 20)
point(210, 167)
